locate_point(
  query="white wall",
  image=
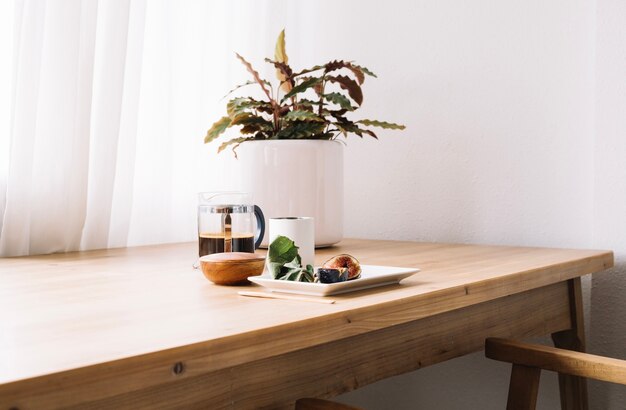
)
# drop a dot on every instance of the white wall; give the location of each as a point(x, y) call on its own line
point(498, 100)
point(500, 103)
point(607, 334)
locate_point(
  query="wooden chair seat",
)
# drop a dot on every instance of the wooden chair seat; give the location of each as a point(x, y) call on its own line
point(529, 359)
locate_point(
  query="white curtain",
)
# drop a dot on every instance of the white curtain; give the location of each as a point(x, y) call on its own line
point(104, 108)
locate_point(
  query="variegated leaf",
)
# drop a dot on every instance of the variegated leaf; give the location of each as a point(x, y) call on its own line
point(366, 71)
point(217, 129)
point(339, 114)
point(370, 133)
point(346, 83)
point(358, 73)
point(348, 127)
point(301, 115)
point(233, 106)
point(319, 88)
point(249, 119)
point(382, 124)
point(237, 106)
point(339, 64)
point(256, 75)
point(302, 87)
point(307, 105)
point(250, 129)
point(301, 130)
point(339, 99)
point(284, 74)
point(309, 70)
point(235, 142)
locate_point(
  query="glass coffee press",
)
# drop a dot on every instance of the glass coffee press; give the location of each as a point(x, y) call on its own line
point(228, 222)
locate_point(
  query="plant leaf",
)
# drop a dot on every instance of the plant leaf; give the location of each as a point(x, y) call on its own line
point(366, 71)
point(306, 102)
point(238, 87)
point(300, 130)
point(307, 105)
point(382, 124)
point(282, 249)
point(250, 129)
point(250, 119)
point(239, 105)
point(370, 132)
point(255, 74)
point(358, 73)
point(346, 83)
point(348, 127)
point(338, 64)
point(233, 107)
point(301, 115)
point(309, 70)
point(340, 100)
point(235, 142)
point(280, 54)
point(284, 73)
point(216, 129)
point(280, 57)
point(297, 274)
point(345, 126)
point(283, 257)
point(303, 86)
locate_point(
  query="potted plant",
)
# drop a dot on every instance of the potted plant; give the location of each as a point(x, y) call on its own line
point(288, 142)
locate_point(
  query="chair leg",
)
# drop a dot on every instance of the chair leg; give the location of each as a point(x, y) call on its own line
point(573, 389)
point(523, 388)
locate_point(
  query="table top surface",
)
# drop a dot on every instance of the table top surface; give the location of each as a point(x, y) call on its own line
point(69, 311)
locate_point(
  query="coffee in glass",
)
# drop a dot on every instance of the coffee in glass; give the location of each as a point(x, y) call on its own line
point(228, 222)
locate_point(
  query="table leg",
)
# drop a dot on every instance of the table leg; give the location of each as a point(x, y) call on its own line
point(573, 389)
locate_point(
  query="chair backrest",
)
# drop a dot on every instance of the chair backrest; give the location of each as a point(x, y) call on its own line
point(529, 359)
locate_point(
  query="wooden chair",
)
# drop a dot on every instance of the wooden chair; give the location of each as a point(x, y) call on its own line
point(529, 359)
point(320, 404)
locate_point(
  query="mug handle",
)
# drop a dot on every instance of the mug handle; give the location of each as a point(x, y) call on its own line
point(260, 227)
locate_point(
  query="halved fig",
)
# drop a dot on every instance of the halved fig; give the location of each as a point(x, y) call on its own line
point(345, 261)
point(327, 275)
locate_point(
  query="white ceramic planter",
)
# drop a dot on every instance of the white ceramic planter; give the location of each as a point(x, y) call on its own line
point(296, 178)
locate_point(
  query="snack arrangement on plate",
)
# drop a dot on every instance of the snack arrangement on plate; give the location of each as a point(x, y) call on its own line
point(284, 263)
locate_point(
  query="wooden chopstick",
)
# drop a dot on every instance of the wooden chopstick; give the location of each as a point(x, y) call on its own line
point(272, 295)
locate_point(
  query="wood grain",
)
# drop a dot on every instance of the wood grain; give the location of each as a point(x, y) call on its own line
point(558, 360)
point(122, 319)
point(573, 389)
point(523, 388)
point(330, 369)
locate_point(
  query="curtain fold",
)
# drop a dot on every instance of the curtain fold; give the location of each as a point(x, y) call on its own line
point(48, 127)
point(114, 112)
point(110, 103)
point(69, 80)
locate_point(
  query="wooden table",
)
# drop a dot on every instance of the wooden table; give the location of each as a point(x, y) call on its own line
point(139, 328)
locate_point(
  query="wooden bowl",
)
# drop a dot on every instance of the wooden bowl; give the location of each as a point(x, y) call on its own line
point(231, 268)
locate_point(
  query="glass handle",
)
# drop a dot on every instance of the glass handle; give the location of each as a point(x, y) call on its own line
point(260, 227)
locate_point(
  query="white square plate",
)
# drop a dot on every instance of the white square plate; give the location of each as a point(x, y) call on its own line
point(371, 276)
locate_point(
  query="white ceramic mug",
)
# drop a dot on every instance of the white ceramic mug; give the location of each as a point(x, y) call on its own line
point(301, 230)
